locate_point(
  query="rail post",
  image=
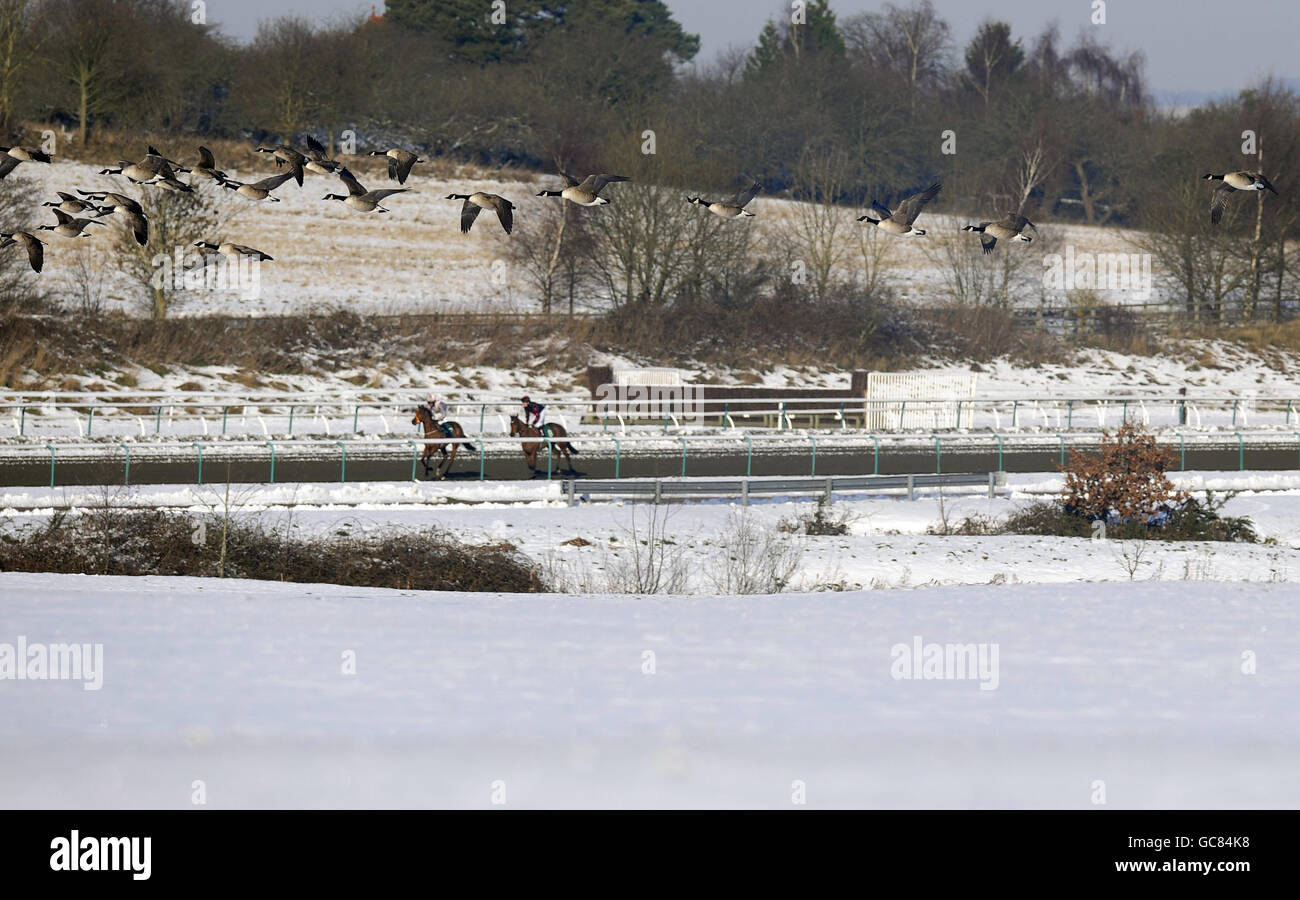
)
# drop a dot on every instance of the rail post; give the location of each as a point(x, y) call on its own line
point(50, 447)
point(1297, 446)
point(482, 461)
point(812, 438)
point(618, 455)
point(1234, 413)
point(744, 492)
point(911, 487)
point(225, 414)
point(683, 440)
point(356, 413)
point(938, 455)
point(550, 467)
point(1182, 451)
point(22, 420)
point(830, 488)
point(126, 474)
point(199, 447)
point(90, 421)
point(1241, 452)
point(157, 420)
point(272, 446)
point(875, 465)
point(999, 437)
point(1061, 438)
point(343, 462)
point(291, 409)
point(658, 491)
point(1288, 412)
point(1069, 413)
point(1015, 408)
point(749, 456)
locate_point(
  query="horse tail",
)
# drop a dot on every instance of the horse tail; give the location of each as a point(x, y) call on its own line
point(572, 449)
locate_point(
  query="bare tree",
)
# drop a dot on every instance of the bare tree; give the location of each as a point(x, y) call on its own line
point(911, 42)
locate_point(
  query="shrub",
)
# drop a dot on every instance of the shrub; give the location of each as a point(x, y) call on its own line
point(1124, 481)
point(109, 541)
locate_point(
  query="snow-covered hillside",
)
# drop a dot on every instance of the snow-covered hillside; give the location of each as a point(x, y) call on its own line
point(414, 259)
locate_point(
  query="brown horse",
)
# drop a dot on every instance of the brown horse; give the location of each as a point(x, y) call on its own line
point(518, 428)
point(431, 430)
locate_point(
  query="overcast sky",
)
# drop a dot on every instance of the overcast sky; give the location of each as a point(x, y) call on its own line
point(1187, 50)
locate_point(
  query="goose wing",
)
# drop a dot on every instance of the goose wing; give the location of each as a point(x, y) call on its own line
point(270, 184)
point(399, 167)
point(355, 188)
point(882, 209)
point(35, 250)
point(910, 208)
point(468, 213)
point(1219, 200)
point(743, 197)
point(505, 211)
point(139, 227)
point(988, 242)
point(385, 192)
point(594, 183)
point(59, 214)
point(1267, 184)
point(7, 165)
point(315, 149)
point(206, 159)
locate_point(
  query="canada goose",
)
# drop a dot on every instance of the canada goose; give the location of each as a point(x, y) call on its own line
point(901, 219)
point(10, 157)
point(729, 209)
point(34, 246)
point(1008, 228)
point(479, 201)
point(399, 163)
point(129, 208)
point(318, 160)
point(1234, 181)
point(360, 198)
point(286, 155)
point(234, 251)
point(258, 190)
point(70, 204)
point(146, 170)
point(584, 193)
point(68, 226)
point(207, 167)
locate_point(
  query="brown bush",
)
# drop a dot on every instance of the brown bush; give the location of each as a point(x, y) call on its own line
point(1125, 478)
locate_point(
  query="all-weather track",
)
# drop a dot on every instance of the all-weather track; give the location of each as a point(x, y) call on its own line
point(248, 463)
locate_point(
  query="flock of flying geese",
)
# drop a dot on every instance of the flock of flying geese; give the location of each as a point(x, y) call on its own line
point(75, 214)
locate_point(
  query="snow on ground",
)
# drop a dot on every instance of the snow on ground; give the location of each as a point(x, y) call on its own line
point(547, 700)
point(887, 545)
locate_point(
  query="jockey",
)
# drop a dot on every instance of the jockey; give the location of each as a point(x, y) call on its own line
point(535, 414)
point(438, 412)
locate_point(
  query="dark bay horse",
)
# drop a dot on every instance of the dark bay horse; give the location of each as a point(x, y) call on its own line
point(423, 418)
point(518, 428)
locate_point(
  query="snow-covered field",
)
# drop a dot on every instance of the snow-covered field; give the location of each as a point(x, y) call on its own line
point(1144, 694)
point(887, 545)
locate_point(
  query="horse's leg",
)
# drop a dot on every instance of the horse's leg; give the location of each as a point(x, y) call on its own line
point(451, 461)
